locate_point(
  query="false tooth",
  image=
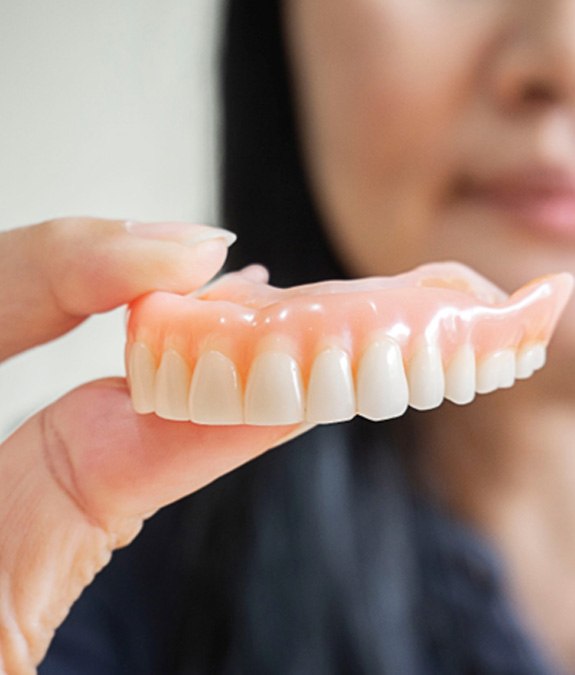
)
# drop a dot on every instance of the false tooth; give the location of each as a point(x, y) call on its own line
point(142, 373)
point(274, 392)
point(506, 368)
point(460, 377)
point(530, 359)
point(382, 391)
point(525, 366)
point(426, 378)
point(488, 374)
point(215, 392)
point(330, 395)
point(539, 356)
point(495, 371)
point(172, 386)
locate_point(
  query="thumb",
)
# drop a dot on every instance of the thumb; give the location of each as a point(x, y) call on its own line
point(56, 273)
point(78, 480)
point(115, 463)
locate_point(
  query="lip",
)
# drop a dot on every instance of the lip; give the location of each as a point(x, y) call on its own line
point(540, 199)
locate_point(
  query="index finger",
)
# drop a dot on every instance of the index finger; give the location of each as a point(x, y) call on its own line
point(56, 273)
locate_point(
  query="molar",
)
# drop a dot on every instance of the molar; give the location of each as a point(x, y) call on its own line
point(426, 378)
point(330, 394)
point(460, 376)
point(215, 392)
point(382, 391)
point(171, 387)
point(274, 392)
point(530, 359)
point(142, 373)
point(496, 371)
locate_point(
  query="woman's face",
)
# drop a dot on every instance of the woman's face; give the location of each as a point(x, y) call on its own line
point(441, 129)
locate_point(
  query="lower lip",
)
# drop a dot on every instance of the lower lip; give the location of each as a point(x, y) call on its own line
point(552, 215)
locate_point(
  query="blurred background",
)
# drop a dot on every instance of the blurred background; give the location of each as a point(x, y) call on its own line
point(107, 109)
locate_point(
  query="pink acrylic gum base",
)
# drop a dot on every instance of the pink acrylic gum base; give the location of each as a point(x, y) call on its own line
point(443, 303)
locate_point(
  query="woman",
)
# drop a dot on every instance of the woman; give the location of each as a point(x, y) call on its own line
point(439, 543)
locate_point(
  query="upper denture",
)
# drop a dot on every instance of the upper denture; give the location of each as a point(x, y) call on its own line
point(324, 352)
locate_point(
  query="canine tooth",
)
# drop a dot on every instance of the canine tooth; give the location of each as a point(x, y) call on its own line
point(330, 395)
point(142, 373)
point(172, 386)
point(495, 371)
point(274, 392)
point(382, 391)
point(215, 392)
point(426, 378)
point(530, 359)
point(460, 376)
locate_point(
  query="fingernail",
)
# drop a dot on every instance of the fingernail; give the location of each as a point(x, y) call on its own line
point(187, 234)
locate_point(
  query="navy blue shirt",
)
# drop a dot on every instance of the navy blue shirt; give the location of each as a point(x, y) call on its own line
point(134, 617)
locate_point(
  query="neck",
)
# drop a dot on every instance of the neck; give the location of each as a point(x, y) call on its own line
point(506, 464)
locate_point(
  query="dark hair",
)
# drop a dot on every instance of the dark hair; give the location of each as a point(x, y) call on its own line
point(266, 198)
point(308, 561)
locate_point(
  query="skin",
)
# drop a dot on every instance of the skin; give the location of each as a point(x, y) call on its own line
point(399, 101)
point(79, 478)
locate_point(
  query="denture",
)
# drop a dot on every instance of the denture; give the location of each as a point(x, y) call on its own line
point(244, 352)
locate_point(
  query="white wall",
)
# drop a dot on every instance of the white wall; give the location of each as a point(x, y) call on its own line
point(107, 109)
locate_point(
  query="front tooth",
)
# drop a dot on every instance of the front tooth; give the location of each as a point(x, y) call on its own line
point(460, 378)
point(426, 378)
point(274, 392)
point(497, 370)
point(382, 391)
point(142, 373)
point(330, 395)
point(530, 359)
point(172, 386)
point(215, 393)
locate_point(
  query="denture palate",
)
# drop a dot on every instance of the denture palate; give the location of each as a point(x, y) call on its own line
point(242, 352)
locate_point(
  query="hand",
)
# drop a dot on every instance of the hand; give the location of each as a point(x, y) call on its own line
point(79, 477)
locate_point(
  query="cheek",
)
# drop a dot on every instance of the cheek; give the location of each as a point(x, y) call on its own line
point(383, 94)
point(381, 163)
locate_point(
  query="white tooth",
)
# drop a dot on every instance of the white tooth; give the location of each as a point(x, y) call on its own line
point(172, 386)
point(495, 371)
point(506, 368)
point(382, 391)
point(215, 393)
point(142, 373)
point(426, 378)
point(530, 359)
point(274, 392)
point(330, 395)
point(487, 375)
point(525, 363)
point(539, 356)
point(460, 376)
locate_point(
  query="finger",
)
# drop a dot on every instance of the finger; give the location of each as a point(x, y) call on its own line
point(77, 481)
point(257, 273)
point(55, 274)
point(120, 464)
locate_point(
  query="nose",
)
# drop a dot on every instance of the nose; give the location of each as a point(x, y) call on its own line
point(535, 63)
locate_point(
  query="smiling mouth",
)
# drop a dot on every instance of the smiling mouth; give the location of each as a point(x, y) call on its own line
point(540, 200)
